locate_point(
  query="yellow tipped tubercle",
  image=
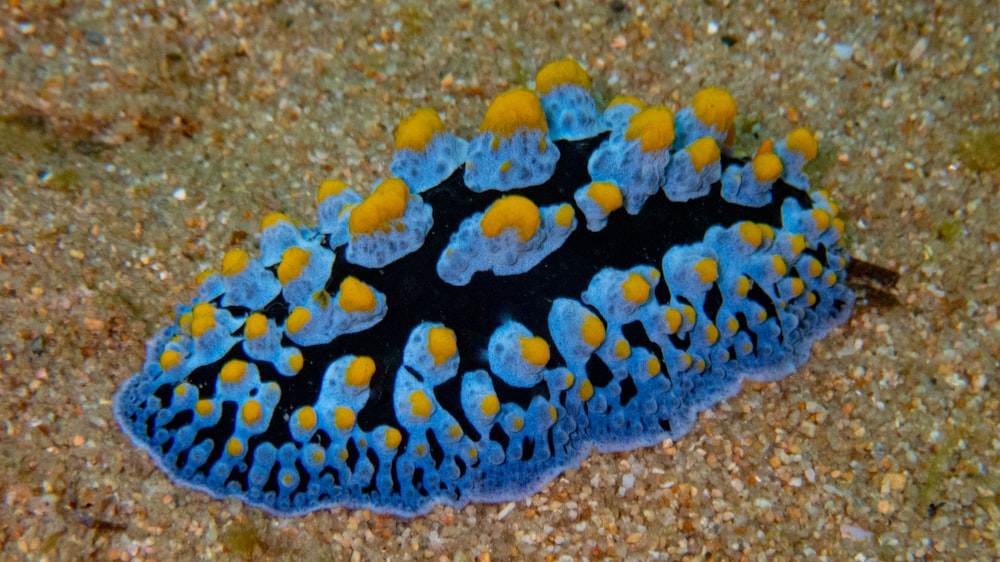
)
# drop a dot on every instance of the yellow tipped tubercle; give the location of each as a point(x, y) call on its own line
point(654, 126)
point(715, 107)
point(441, 344)
point(387, 203)
point(607, 195)
point(511, 111)
point(560, 73)
point(802, 141)
point(635, 289)
point(703, 152)
point(513, 211)
point(329, 188)
point(416, 131)
point(355, 296)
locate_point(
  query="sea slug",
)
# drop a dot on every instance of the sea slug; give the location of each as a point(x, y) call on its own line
point(570, 279)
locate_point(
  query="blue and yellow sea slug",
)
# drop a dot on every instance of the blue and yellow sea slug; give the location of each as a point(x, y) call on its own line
point(568, 279)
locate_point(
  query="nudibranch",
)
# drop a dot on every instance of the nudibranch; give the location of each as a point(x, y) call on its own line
point(570, 279)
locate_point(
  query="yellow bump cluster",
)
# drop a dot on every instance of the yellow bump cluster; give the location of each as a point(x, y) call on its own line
point(511, 111)
point(717, 108)
point(416, 131)
point(202, 319)
point(387, 203)
point(607, 195)
point(535, 350)
point(356, 296)
point(393, 438)
point(204, 407)
point(234, 262)
point(635, 288)
point(703, 152)
point(359, 373)
point(673, 319)
point(512, 211)
point(622, 349)
point(559, 73)
point(592, 331)
point(654, 126)
point(441, 344)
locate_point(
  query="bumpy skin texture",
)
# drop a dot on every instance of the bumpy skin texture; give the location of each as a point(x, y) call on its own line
point(506, 339)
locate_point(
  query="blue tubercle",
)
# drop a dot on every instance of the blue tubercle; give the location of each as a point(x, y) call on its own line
point(568, 280)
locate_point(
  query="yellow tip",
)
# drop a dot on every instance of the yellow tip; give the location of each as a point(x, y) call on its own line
point(255, 327)
point(715, 107)
point(607, 195)
point(343, 418)
point(673, 319)
point(441, 344)
point(622, 349)
point(822, 219)
point(802, 141)
point(635, 288)
point(420, 405)
point(815, 268)
point(767, 167)
point(592, 331)
point(416, 131)
point(204, 407)
point(169, 359)
point(296, 362)
point(329, 188)
point(234, 447)
point(251, 412)
point(751, 233)
point(711, 334)
point(780, 267)
point(356, 296)
point(798, 243)
point(297, 319)
point(743, 286)
point(511, 111)
point(234, 261)
point(293, 261)
point(202, 324)
point(703, 152)
point(359, 373)
point(393, 437)
point(654, 126)
point(630, 100)
point(564, 215)
point(233, 371)
point(490, 405)
point(512, 211)
point(707, 269)
point(535, 350)
point(306, 416)
point(653, 366)
point(586, 390)
point(387, 203)
point(273, 219)
point(566, 71)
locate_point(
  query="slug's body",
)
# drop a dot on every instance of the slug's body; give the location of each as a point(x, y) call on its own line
point(567, 280)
